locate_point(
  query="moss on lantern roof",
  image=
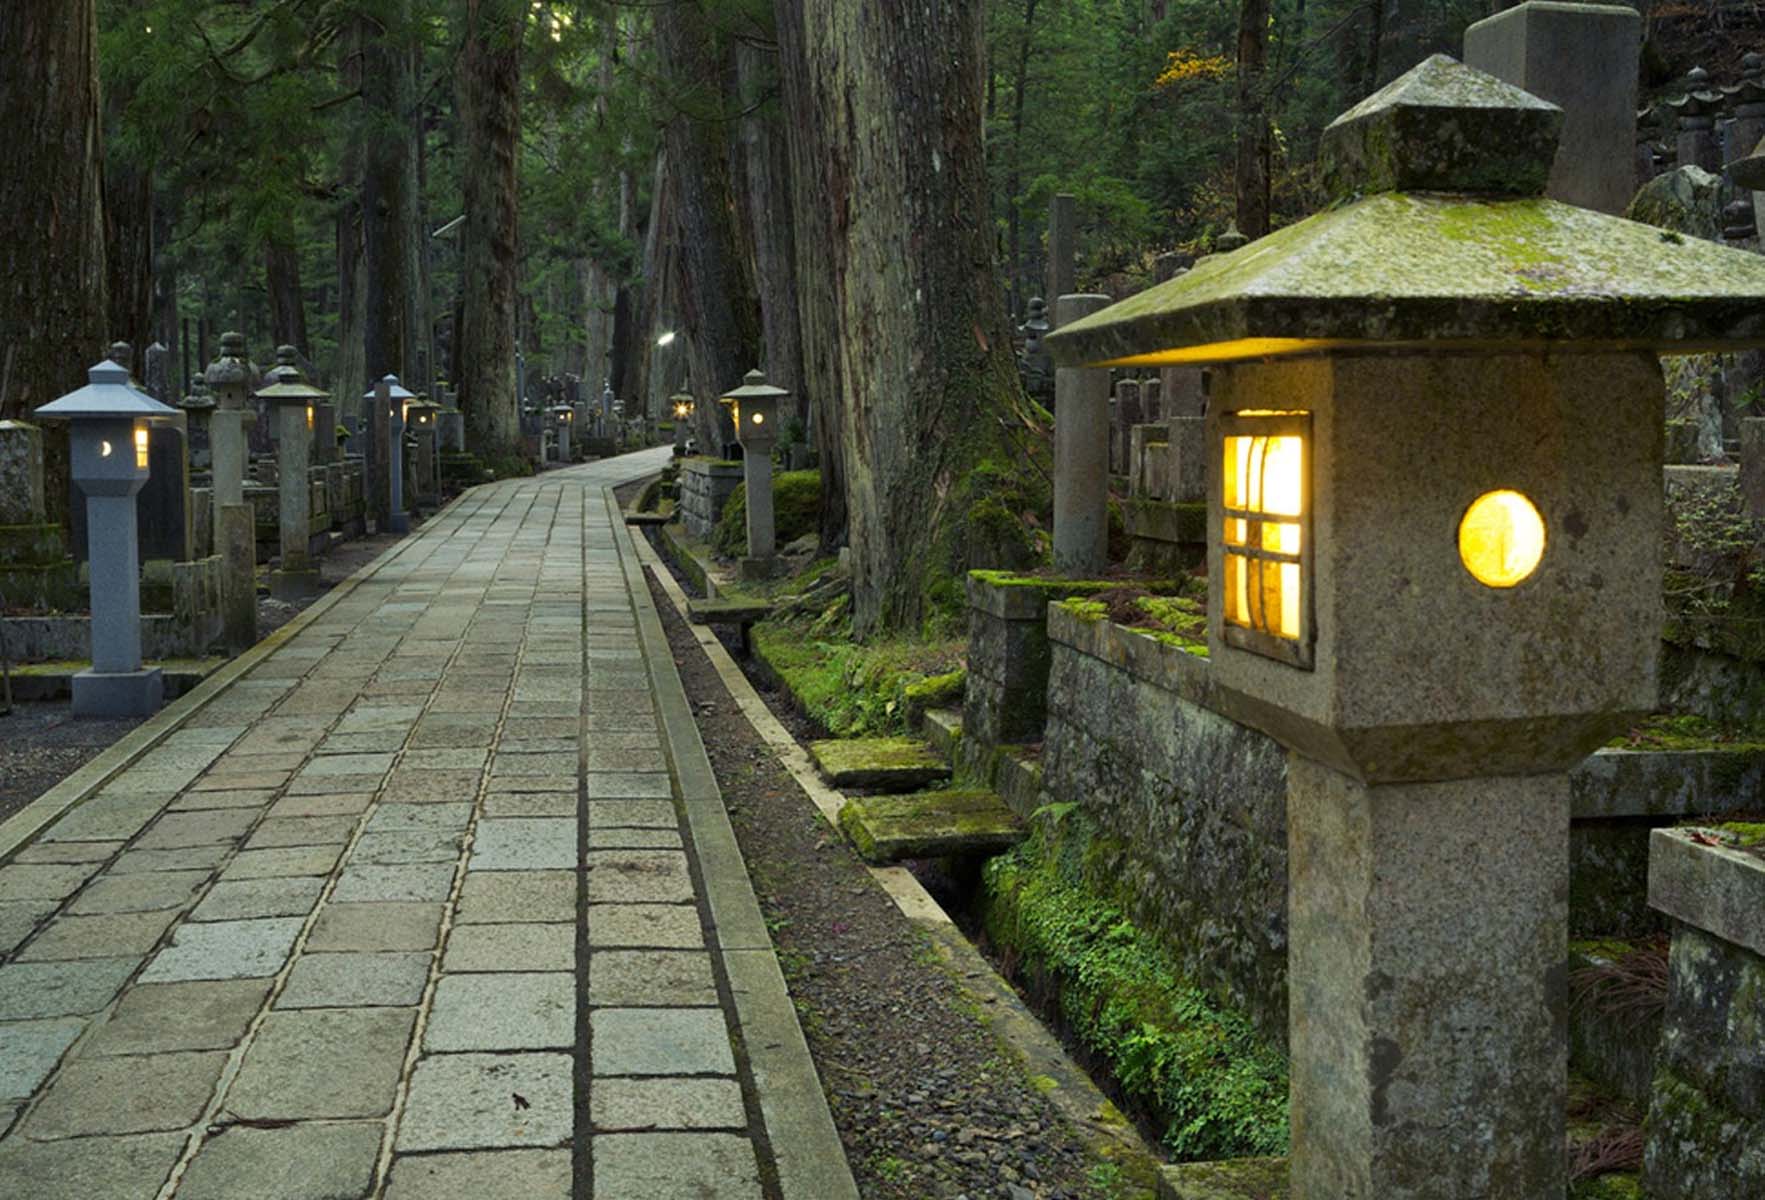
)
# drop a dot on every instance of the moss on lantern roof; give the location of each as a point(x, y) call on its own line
point(1440, 270)
point(1445, 250)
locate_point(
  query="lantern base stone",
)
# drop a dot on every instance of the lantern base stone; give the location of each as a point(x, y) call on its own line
point(294, 585)
point(118, 694)
point(1429, 1007)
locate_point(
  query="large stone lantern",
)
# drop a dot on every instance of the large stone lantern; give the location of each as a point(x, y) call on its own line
point(296, 405)
point(1435, 514)
point(753, 408)
point(108, 443)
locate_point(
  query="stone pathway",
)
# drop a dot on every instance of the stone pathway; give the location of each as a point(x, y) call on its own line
point(418, 908)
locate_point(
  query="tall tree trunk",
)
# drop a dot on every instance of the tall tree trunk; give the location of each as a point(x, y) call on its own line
point(128, 245)
point(814, 233)
point(766, 164)
point(489, 100)
point(282, 285)
point(716, 298)
point(1014, 179)
point(925, 358)
point(389, 198)
point(52, 261)
point(349, 374)
point(647, 301)
point(1253, 119)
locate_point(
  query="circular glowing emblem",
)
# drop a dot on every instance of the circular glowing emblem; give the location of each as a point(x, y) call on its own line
point(1501, 539)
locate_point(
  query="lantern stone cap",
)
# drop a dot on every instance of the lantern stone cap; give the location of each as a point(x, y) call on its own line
point(1438, 271)
point(291, 386)
point(107, 394)
point(231, 367)
point(755, 387)
point(397, 390)
point(1444, 127)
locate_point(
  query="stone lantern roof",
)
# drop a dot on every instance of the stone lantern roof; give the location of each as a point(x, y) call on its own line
point(755, 387)
point(106, 394)
point(291, 386)
point(1440, 239)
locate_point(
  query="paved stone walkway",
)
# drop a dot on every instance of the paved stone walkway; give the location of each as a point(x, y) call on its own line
point(410, 909)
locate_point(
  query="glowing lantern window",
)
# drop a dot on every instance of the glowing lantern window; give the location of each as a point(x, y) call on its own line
point(1265, 535)
point(140, 447)
point(1501, 539)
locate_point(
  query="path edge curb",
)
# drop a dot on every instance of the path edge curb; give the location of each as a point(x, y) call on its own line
point(806, 1144)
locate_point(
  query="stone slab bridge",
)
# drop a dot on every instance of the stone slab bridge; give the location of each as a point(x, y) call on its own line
point(431, 895)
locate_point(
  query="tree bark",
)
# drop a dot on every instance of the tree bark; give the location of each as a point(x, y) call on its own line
point(718, 311)
point(1014, 179)
point(128, 244)
point(282, 286)
point(389, 199)
point(813, 234)
point(349, 375)
point(52, 259)
point(1253, 119)
point(891, 148)
point(766, 165)
point(489, 101)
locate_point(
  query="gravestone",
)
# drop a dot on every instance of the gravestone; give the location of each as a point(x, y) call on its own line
point(156, 373)
point(1547, 48)
point(1081, 456)
point(22, 501)
point(1695, 113)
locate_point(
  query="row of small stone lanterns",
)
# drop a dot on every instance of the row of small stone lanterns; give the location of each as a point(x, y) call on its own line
point(109, 421)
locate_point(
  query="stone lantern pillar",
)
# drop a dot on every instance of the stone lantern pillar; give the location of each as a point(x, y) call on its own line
point(1439, 593)
point(295, 403)
point(108, 444)
point(386, 404)
point(682, 405)
point(753, 408)
point(563, 420)
point(1081, 455)
point(230, 379)
point(423, 416)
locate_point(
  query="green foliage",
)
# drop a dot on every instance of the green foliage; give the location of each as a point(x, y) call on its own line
point(1201, 1071)
point(852, 689)
point(796, 510)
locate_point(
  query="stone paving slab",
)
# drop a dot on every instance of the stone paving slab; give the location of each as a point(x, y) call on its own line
point(336, 935)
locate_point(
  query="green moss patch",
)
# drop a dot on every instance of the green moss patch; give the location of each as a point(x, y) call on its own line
point(1197, 1069)
point(1178, 619)
point(1672, 731)
point(886, 829)
point(1236, 1179)
point(850, 689)
point(796, 510)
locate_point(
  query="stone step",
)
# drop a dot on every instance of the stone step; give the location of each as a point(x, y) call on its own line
point(887, 829)
point(727, 612)
point(885, 764)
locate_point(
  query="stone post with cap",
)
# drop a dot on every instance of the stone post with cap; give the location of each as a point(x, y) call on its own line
point(753, 409)
point(295, 403)
point(1438, 593)
point(230, 379)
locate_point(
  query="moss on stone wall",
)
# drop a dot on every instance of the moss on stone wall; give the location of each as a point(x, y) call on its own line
point(796, 510)
point(1198, 1070)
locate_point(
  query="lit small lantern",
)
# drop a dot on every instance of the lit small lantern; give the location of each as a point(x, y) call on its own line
point(1431, 582)
point(395, 397)
point(424, 429)
point(564, 420)
point(108, 443)
point(753, 408)
point(683, 415)
point(293, 400)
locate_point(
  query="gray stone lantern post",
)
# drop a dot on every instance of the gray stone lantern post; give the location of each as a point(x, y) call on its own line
point(753, 408)
point(392, 397)
point(682, 404)
point(108, 445)
point(564, 421)
point(423, 418)
point(230, 379)
point(295, 403)
point(1439, 592)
